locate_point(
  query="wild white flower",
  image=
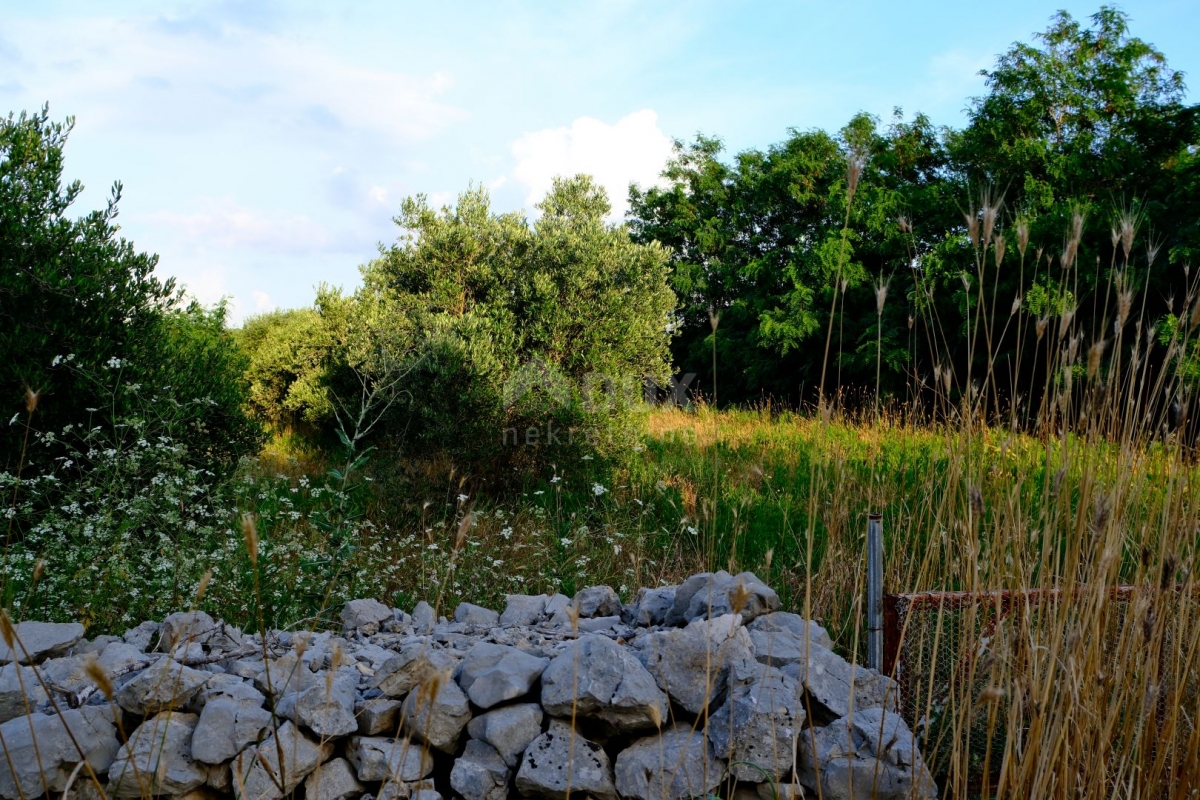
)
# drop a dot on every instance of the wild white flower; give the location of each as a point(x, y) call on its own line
point(556, 479)
point(506, 532)
point(586, 458)
point(598, 490)
point(692, 530)
point(539, 491)
point(462, 498)
point(565, 542)
point(616, 549)
point(114, 363)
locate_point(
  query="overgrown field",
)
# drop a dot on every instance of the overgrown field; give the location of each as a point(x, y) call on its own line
point(783, 495)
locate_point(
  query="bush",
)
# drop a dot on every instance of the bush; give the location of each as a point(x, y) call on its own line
point(76, 298)
point(527, 343)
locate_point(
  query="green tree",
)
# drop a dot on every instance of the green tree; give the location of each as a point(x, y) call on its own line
point(1081, 132)
point(491, 300)
point(288, 360)
point(81, 304)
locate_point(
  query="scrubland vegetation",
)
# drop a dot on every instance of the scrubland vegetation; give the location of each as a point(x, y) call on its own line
point(988, 335)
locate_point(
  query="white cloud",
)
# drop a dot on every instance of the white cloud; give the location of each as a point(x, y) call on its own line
point(207, 285)
point(227, 225)
point(262, 302)
point(633, 149)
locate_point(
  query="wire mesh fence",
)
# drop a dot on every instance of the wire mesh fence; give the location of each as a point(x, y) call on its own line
point(968, 665)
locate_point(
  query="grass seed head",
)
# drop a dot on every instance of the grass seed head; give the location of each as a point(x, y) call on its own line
point(6, 629)
point(99, 676)
point(203, 587)
point(250, 534)
point(31, 400)
point(1094, 355)
point(972, 219)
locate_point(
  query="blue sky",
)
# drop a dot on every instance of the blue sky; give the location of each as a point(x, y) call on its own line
point(264, 147)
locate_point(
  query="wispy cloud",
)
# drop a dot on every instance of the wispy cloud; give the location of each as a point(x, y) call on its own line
point(198, 78)
point(229, 226)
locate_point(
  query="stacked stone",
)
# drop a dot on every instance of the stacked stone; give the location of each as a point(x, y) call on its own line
point(705, 688)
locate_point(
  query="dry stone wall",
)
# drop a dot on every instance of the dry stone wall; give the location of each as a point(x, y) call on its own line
point(701, 689)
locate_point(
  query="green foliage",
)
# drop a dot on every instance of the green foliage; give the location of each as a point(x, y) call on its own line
point(1081, 131)
point(77, 299)
point(67, 286)
point(506, 326)
point(287, 368)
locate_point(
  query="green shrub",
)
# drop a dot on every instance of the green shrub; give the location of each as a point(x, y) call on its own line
point(529, 342)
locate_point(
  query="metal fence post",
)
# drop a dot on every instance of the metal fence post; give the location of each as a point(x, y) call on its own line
point(875, 591)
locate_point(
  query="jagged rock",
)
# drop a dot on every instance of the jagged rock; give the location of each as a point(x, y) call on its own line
point(94, 646)
point(258, 773)
point(20, 693)
point(558, 611)
point(425, 794)
point(70, 673)
point(691, 664)
point(55, 753)
point(327, 709)
point(378, 715)
point(869, 755)
point(415, 664)
point(480, 773)
point(288, 673)
point(220, 777)
point(755, 729)
point(403, 790)
point(157, 759)
point(783, 638)
point(523, 609)
point(142, 636)
point(376, 758)
point(370, 654)
point(333, 780)
point(600, 679)
point(232, 718)
point(436, 713)
point(493, 673)
point(780, 791)
point(560, 763)
point(675, 764)
point(37, 641)
point(651, 607)
point(364, 616)
point(164, 686)
point(476, 616)
point(835, 686)
point(225, 639)
point(715, 594)
point(423, 618)
point(598, 624)
point(185, 627)
point(509, 729)
point(597, 601)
